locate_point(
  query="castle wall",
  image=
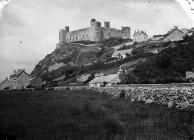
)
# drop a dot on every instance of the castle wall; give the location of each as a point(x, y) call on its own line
point(111, 32)
point(93, 33)
point(78, 35)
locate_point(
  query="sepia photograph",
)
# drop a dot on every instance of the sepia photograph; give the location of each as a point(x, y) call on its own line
point(96, 69)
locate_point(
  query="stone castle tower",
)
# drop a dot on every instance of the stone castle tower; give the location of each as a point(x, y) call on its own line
point(95, 32)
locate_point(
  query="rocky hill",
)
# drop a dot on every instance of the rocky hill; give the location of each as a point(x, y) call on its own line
point(69, 61)
point(75, 55)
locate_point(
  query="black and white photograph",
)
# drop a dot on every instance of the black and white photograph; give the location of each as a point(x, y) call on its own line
point(96, 69)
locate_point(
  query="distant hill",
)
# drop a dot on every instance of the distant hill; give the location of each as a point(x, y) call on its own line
point(167, 66)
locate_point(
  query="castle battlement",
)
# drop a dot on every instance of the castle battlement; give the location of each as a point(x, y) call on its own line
point(95, 32)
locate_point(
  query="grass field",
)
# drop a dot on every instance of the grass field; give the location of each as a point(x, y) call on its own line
point(85, 116)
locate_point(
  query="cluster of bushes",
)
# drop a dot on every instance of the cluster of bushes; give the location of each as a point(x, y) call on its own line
point(168, 66)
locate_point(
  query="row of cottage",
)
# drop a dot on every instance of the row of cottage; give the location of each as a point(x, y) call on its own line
point(174, 34)
point(20, 80)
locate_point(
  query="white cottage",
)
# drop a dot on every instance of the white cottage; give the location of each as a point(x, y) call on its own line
point(106, 81)
point(17, 80)
point(140, 36)
point(122, 53)
point(103, 81)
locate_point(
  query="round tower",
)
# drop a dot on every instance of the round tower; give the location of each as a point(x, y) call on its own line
point(96, 33)
point(62, 36)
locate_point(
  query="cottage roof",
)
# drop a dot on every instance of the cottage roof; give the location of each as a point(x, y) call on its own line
point(15, 75)
point(169, 32)
point(108, 79)
point(3, 81)
point(139, 33)
point(23, 72)
point(184, 30)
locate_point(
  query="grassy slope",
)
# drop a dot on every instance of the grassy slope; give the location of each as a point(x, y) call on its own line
point(79, 116)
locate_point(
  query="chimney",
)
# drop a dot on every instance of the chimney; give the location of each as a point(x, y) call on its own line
point(175, 27)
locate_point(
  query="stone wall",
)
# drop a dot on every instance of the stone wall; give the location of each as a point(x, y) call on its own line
point(180, 96)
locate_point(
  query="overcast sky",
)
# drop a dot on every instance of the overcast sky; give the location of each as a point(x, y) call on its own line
point(29, 28)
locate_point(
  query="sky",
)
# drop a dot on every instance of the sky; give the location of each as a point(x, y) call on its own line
point(29, 28)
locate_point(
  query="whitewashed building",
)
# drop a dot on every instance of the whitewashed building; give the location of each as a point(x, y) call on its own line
point(140, 36)
point(122, 53)
point(17, 80)
point(106, 81)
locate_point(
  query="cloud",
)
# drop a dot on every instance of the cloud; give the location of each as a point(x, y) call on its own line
point(29, 28)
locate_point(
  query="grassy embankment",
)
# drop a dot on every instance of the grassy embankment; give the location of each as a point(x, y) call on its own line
point(78, 116)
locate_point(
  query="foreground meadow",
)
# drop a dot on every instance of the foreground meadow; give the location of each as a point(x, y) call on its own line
point(84, 116)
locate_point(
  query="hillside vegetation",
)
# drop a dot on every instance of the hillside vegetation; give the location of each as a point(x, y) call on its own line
point(168, 66)
point(79, 59)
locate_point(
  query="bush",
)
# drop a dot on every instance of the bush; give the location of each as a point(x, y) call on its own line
point(169, 66)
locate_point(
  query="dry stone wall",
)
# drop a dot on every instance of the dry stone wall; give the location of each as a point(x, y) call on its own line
point(180, 96)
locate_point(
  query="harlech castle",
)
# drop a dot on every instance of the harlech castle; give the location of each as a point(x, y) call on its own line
point(94, 33)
